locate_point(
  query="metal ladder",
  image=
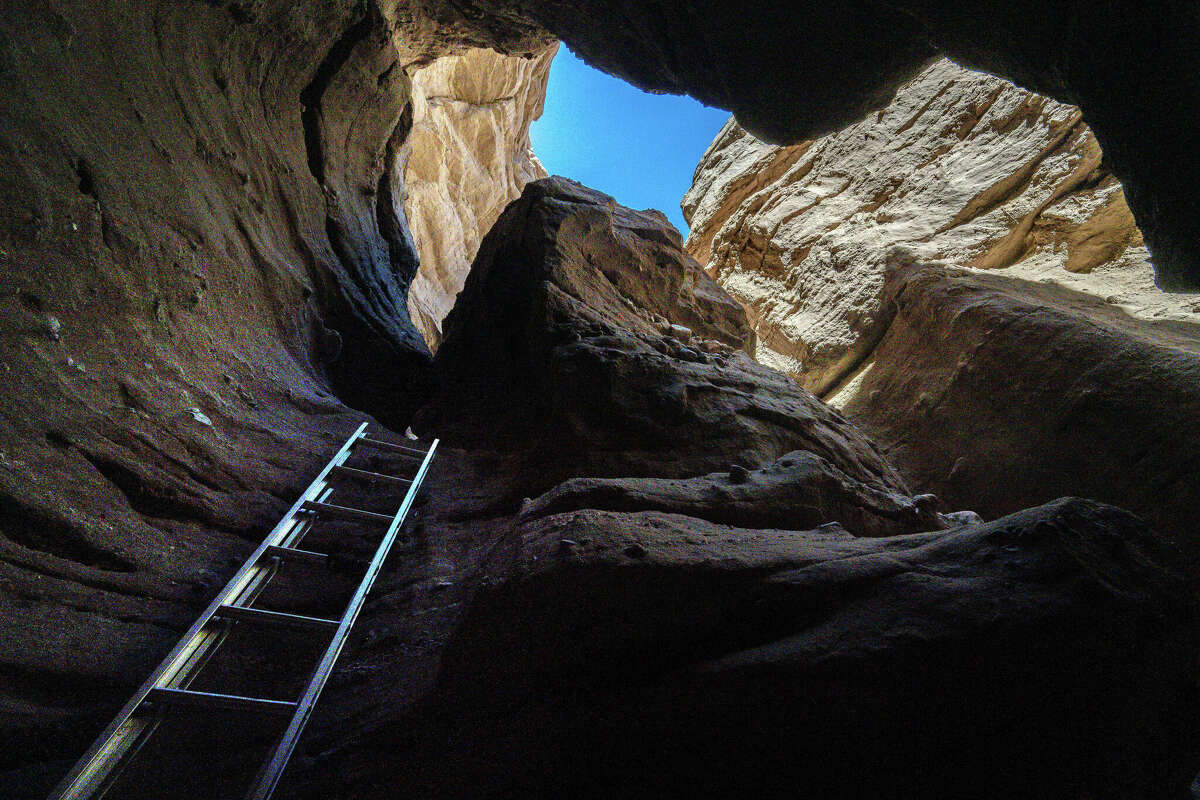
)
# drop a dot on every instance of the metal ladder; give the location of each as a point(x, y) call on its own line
point(166, 688)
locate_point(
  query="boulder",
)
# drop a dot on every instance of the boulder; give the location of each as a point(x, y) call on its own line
point(556, 349)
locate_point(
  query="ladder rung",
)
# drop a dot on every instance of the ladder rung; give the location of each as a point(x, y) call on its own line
point(395, 448)
point(370, 476)
point(295, 554)
point(209, 701)
point(264, 617)
point(330, 510)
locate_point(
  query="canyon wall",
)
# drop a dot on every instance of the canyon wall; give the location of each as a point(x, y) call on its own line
point(467, 156)
point(204, 266)
point(205, 261)
point(961, 167)
point(820, 240)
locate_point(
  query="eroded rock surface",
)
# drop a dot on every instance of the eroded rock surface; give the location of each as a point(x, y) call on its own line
point(1010, 393)
point(467, 156)
point(793, 72)
point(648, 654)
point(961, 167)
point(204, 264)
point(586, 332)
point(671, 629)
point(203, 268)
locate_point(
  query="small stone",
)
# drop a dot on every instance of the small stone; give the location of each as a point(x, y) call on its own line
point(635, 551)
point(957, 519)
point(925, 502)
point(53, 326)
point(738, 474)
point(680, 332)
point(200, 416)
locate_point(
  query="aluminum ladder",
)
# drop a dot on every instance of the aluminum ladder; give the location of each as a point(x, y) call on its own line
point(166, 688)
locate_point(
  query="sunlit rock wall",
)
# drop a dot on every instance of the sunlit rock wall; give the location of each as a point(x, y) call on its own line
point(467, 157)
point(961, 167)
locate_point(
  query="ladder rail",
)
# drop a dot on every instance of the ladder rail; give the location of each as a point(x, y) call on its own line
point(97, 767)
point(272, 771)
point(379, 444)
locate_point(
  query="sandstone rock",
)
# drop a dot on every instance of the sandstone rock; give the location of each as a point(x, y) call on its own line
point(201, 192)
point(466, 157)
point(554, 346)
point(1045, 654)
point(960, 167)
point(192, 197)
point(794, 72)
point(996, 394)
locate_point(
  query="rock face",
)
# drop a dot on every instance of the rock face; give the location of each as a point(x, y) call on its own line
point(203, 270)
point(661, 632)
point(717, 661)
point(467, 156)
point(960, 167)
point(204, 266)
point(585, 331)
point(1010, 393)
point(1123, 63)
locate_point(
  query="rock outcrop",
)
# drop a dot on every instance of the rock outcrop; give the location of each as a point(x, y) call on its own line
point(1010, 393)
point(961, 167)
point(585, 332)
point(467, 156)
point(999, 660)
point(659, 632)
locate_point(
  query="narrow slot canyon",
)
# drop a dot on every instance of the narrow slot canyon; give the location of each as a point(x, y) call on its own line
point(876, 479)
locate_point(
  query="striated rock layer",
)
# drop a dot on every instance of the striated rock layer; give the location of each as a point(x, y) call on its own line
point(960, 167)
point(1017, 372)
point(467, 156)
point(797, 71)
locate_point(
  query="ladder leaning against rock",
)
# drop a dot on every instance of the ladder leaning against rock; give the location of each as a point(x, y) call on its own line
point(167, 686)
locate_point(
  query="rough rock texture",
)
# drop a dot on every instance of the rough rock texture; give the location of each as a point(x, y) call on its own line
point(792, 72)
point(563, 341)
point(203, 267)
point(204, 264)
point(960, 166)
point(643, 636)
point(1010, 393)
point(645, 654)
point(800, 490)
point(467, 156)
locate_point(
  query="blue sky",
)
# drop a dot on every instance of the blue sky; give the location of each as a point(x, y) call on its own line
point(640, 148)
